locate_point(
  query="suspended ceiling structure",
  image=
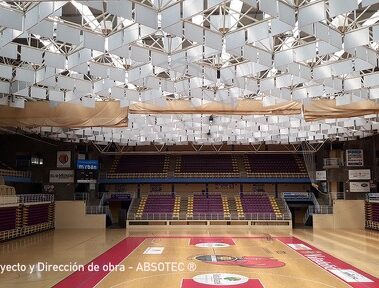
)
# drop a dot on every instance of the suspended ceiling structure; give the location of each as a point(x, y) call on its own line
point(205, 72)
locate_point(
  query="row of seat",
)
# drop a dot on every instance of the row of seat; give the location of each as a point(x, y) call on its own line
point(372, 211)
point(215, 166)
point(196, 205)
point(17, 216)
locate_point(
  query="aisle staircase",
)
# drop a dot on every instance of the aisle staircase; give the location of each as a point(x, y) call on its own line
point(275, 207)
point(240, 212)
point(176, 212)
point(225, 206)
point(141, 207)
point(190, 207)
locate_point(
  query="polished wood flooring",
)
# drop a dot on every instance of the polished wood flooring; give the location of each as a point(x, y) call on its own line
point(359, 248)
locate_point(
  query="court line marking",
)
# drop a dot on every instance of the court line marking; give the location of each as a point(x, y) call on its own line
point(206, 271)
point(237, 237)
point(120, 261)
point(88, 276)
point(363, 273)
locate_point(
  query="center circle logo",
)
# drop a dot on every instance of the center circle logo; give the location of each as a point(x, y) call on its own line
point(215, 258)
point(212, 245)
point(220, 279)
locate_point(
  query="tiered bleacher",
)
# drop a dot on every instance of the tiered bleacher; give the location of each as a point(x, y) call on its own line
point(156, 207)
point(206, 166)
point(275, 166)
point(372, 211)
point(25, 214)
point(208, 207)
point(261, 204)
point(139, 166)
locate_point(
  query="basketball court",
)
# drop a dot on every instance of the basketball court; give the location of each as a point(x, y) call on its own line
point(189, 144)
point(206, 259)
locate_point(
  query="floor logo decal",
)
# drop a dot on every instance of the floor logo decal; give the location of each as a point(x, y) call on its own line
point(220, 280)
point(244, 261)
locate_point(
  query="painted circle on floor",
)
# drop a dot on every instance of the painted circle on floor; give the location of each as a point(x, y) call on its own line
point(221, 279)
point(212, 245)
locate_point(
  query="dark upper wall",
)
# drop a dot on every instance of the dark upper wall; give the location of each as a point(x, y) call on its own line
point(369, 145)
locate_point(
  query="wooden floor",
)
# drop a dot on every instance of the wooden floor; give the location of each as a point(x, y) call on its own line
point(357, 248)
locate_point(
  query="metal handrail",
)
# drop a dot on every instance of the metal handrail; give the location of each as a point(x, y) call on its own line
point(314, 200)
point(321, 209)
point(208, 216)
point(81, 196)
point(29, 198)
point(25, 198)
point(97, 210)
point(372, 197)
point(15, 173)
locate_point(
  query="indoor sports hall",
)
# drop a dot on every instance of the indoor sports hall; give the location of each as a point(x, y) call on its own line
point(189, 144)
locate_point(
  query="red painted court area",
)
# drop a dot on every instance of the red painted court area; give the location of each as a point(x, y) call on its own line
point(345, 272)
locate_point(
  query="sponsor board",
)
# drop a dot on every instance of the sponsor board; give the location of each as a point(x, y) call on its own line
point(362, 187)
point(154, 250)
point(350, 275)
point(64, 159)
point(299, 247)
point(219, 280)
point(321, 175)
point(354, 157)
point(344, 271)
point(87, 164)
point(360, 174)
point(62, 176)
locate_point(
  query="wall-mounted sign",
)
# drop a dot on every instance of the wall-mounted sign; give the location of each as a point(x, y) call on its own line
point(62, 176)
point(360, 174)
point(87, 164)
point(321, 175)
point(64, 159)
point(362, 187)
point(86, 176)
point(354, 157)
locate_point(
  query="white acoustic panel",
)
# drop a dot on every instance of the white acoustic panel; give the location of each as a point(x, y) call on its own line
point(311, 13)
point(6, 71)
point(337, 7)
point(193, 32)
point(94, 41)
point(146, 16)
point(31, 55)
point(357, 38)
point(11, 19)
point(68, 34)
point(120, 8)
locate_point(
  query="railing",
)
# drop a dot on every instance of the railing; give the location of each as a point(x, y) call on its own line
point(287, 210)
point(9, 200)
point(321, 209)
point(133, 175)
point(372, 197)
point(15, 173)
point(25, 198)
point(29, 198)
point(208, 216)
point(315, 201)
point(297, 196)
point(332, 162)
point(81, 196)
point(96, 210)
